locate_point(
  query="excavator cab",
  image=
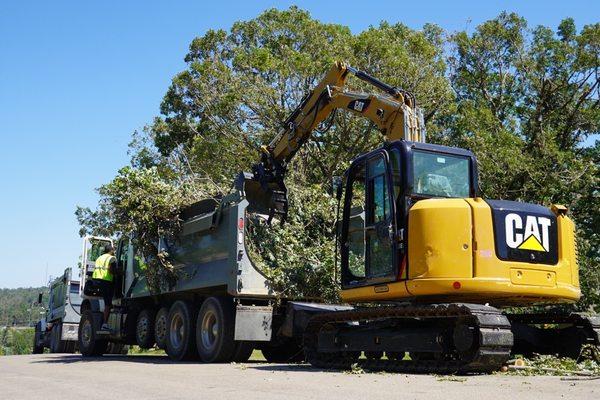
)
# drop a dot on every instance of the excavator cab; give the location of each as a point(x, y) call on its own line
point(381, 186)
point(415, 229)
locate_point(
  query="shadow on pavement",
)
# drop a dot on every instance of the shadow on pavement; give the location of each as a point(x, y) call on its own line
point(77, 358)
point(148, 359)
point(289, 367)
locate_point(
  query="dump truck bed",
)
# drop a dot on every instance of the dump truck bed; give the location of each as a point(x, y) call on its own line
point(209, 253)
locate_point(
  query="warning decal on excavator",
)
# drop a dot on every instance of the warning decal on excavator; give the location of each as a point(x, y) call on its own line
point(524, 232)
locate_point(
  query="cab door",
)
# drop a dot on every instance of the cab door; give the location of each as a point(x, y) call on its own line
point(93, 246)
point(368, 245)
point(123, 259)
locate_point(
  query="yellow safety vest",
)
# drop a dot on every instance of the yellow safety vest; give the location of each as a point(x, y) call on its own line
point(101, 271)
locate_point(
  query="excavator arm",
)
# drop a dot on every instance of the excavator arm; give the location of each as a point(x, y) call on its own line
point(394, 112)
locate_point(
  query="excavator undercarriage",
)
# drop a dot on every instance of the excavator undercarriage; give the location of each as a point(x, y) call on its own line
point(437, 338)
point(554, 332)
point(441, 338)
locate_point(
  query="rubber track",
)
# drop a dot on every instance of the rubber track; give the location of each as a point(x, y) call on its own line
point(495, 339)
point(589, 323)
point(594, 323)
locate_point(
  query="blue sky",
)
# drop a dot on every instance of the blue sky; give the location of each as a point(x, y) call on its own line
point(77, 78)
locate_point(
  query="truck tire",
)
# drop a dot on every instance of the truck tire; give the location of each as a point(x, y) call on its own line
point(160, 328)
point(90, 345)
point(181, 344)
point(144, 329)
point(56, 344)
point(214, 330)
point(70, 347)
point(117, 348)
point(38, 340)
point(284, 352)
point(243, 351)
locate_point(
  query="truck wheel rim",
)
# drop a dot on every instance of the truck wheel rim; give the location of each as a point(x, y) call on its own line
point(210, 330)
point(86, 332)
point(161, 328)
point(143, 328)
point(177, 331)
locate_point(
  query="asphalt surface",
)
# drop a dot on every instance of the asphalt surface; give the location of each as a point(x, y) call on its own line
point(53, 376)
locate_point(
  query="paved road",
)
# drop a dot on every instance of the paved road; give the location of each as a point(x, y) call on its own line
point(52, 376)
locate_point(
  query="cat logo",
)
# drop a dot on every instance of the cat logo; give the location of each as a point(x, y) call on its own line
point(359, 105)
point(530, 234)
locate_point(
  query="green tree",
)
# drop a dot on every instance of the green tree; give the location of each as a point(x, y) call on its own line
point(16, 341)
point(240, 85)
point(20, 305)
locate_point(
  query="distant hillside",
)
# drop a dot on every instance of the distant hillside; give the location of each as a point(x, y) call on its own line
point(15, 305)
point(15, 341)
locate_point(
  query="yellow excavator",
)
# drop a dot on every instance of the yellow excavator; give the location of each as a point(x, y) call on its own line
point(425, 262)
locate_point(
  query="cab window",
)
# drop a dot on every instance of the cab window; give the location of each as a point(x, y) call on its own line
point(356, 223)
point(379, 259)
point(396, 173)
point(123, 253)
point(96, 249)
point(440, 175)
point(379, 207)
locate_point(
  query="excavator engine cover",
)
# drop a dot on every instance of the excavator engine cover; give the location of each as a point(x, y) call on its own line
point(495, 251)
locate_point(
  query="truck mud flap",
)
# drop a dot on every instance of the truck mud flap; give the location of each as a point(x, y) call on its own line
point(253, 323)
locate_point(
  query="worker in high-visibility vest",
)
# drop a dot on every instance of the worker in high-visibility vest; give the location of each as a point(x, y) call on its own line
point(103, 276)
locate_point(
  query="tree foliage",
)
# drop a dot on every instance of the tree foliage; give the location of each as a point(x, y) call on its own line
point(298, 256)
point(18, 306)
point(139, 201)
point(240, 85)
point(522, 99)
point(16, 341)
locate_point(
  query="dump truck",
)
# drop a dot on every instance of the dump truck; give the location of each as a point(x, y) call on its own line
point(427, 266)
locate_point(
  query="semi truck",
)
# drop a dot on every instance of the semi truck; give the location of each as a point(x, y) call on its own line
point(426, 264)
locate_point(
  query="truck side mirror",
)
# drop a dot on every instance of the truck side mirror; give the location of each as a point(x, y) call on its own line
point(40, 295)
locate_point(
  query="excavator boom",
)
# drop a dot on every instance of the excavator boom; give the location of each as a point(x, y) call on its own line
point(394, 112)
